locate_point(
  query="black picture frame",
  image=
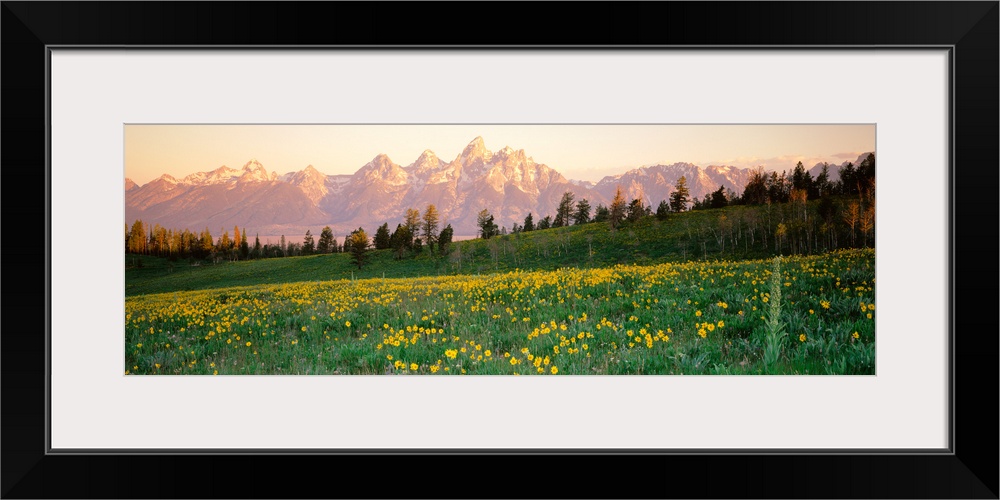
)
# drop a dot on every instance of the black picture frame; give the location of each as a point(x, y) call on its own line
point(969, 470)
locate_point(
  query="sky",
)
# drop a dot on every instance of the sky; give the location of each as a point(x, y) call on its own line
point(579, 152)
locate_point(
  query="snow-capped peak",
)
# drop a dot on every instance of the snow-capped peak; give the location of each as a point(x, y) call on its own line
point(253, 171)
point(476, 150)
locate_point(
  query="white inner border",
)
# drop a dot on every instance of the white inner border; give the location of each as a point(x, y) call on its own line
point(95, 92)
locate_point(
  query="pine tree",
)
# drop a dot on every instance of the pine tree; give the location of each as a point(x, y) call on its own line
point(382, 237)
point(636, 210)
point(487, 227)
point(564, 212)
point(582, 215)
point(308, 244)
point(545, 223)
point(529, 223)
point(719, 198)
point(679, 198)
point(400, 241)
point(601, 214)
point(444, 240)
point(662, 210)
point(800, 178)
point(357, 243)
point(207, 244)
point(326, 242)
point(412, 222)
point(755, 193)
point(244, 246)
point(430, 227)
point(137, 237)
point(224, 243)
point(823, 184)
point(617, 210)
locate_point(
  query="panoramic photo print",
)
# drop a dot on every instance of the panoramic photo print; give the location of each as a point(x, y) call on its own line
point(544, 250)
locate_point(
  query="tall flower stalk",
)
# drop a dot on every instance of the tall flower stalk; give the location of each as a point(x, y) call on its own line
point(774, 337)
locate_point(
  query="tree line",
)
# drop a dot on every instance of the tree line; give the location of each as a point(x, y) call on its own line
point(762, 188)
point(844, 216)
point(145, 239)
point(411, 237)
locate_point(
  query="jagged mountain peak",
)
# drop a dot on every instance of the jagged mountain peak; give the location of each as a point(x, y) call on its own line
point(381, 169)
point(223, 170)
point(253, 164)
point(512, 154)
point(381, 160)
point(306, 175)
point(475, 150)
point(426, 163)
point(253, 171)
point(508, 183)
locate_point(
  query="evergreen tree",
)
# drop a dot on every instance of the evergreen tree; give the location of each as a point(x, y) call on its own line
point(545, 223)
point(662, 210)
point(529, 223)
point(679, 198)
point(635, 210)
point(308, 244)
point(400, 241)
point(284, 247)
point(601, 214)
point(777, 188)
point(382, 237)
point(256, 246)
point(412, 222)
point(224, 243)
point(719, 198)
point(207, 246)
point(137, 237)
point(326, 242)
point(565, 210)
point(617, 211)
point(357, 243)
point(487, 227)
point(800, 178)
point(244, 246)
point(444, 240)
point(755, 192)
point(823, 184)
point(582, 215)
point(430, 227)
point(867, 168)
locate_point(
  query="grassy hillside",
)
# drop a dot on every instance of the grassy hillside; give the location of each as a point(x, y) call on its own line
point(798, 315)
point(682, 237)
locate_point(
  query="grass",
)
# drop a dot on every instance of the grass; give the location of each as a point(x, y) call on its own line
point(682, 237)
point(597, 318)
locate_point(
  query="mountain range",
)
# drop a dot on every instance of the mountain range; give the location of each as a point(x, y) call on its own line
point(508, 183)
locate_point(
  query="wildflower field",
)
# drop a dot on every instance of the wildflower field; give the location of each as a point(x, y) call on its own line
point(815, 315)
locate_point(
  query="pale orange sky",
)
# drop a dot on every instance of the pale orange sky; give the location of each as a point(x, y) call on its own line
point(583, 152)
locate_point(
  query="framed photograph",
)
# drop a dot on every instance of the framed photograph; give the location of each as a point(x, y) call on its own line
point(148, 346)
